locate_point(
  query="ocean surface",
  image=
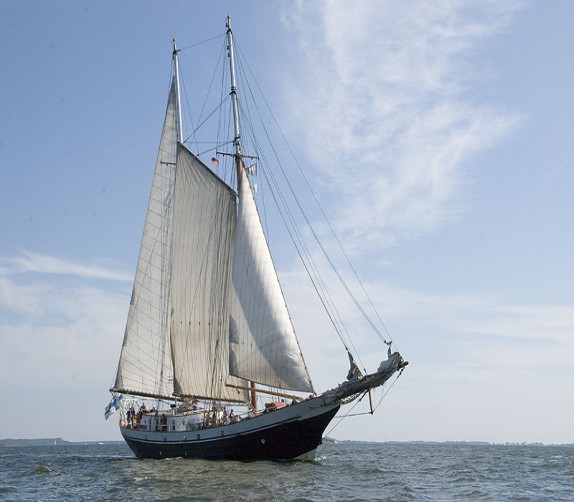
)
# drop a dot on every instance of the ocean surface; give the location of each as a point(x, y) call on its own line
point(342, 471)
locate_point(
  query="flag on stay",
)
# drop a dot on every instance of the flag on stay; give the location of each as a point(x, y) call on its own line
point(214, 161)
point(113, 405)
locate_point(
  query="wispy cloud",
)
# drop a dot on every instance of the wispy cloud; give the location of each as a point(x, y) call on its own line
point(477, 363)
point(462, 334)
point(388, 117)
point(56, 335)
point(29, 262)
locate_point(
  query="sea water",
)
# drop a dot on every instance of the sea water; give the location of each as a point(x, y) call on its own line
point(342, 471)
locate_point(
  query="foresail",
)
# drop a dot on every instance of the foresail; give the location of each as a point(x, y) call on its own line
point(145, 366)
point(204, 225)
point(263, 344)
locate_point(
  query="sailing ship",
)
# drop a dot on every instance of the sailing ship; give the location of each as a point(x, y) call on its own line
point(208, 332)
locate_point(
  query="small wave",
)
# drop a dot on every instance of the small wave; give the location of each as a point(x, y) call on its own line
point(42, 469)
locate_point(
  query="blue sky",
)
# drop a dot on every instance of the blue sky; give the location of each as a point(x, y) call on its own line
point(437, 135)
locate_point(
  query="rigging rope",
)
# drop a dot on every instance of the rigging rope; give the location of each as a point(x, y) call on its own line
point(384, 393)
point(290, 222)
point(312, 229)
point(347, 414)
point(202, 42)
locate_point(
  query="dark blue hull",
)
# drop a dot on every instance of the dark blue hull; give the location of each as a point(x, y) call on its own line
point(281, 441)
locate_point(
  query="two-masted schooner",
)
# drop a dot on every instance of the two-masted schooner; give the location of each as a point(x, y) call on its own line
point(208, 330)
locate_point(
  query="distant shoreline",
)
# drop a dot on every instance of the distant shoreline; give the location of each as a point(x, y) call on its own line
point(52, 442)
point(62, 442)
point(450, 443)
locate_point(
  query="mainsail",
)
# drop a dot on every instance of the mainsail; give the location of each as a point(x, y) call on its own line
point(204, 224)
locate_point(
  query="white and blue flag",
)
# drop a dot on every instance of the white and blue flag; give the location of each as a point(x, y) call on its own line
point(114, 405)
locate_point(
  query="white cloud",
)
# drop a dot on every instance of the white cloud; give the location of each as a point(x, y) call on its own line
point(388, 119)
point(30, 262)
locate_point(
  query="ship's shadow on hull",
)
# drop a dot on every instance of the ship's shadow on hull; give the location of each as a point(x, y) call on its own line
point(284, 441)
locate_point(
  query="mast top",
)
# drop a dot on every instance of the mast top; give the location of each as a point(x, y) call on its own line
point(177, 92)
point(237, 130)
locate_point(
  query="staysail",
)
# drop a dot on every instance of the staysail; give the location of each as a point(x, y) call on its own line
point(263, 345)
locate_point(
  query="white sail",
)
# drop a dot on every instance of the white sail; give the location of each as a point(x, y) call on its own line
point(263, 344)
point(204, 224)
point(207, 311)
point(145, 366)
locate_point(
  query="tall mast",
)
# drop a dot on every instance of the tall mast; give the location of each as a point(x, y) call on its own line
point(237, 138)
point(237, 143)
point(178, 96)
